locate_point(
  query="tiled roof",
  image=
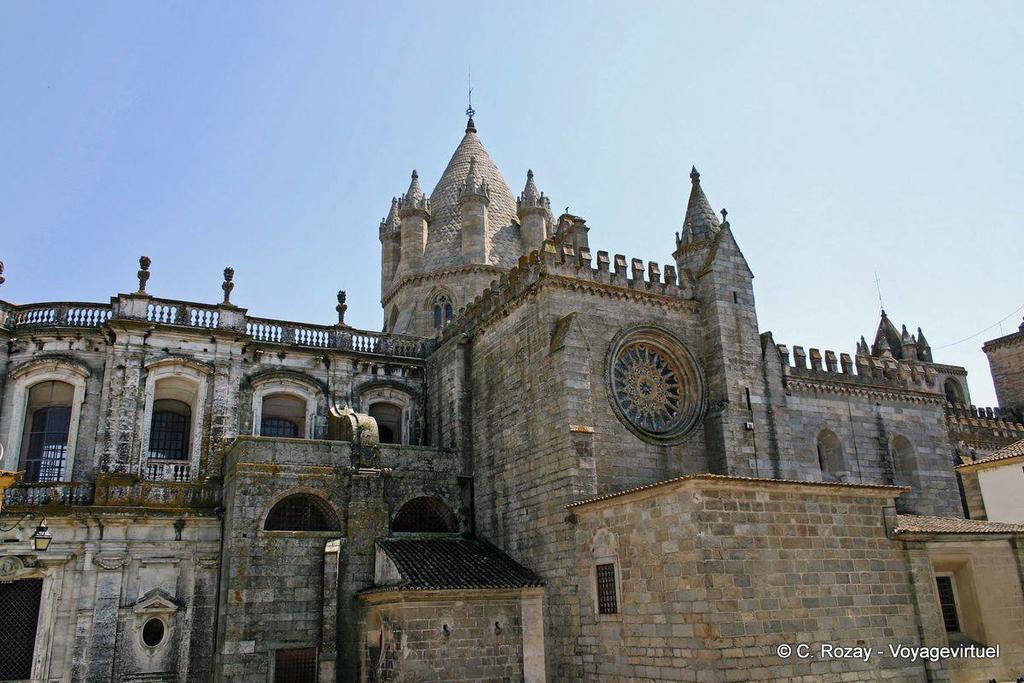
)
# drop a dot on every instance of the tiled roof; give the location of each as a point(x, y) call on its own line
point(924, 524)
point(444, 236)
point(729, 478)
point(454, 563)
point(1014, 450)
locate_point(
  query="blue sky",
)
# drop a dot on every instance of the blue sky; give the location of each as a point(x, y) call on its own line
point(844, 138)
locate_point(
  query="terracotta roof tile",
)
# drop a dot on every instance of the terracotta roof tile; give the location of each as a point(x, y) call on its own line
point(453, 563)
point(1014, 450)
point(924, 524)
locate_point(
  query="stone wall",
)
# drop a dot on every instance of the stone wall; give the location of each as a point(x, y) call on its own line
point(405, 637)
point(1006, 360)
point(714, 574)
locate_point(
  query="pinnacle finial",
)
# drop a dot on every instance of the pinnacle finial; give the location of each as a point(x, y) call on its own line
point(694, 175)
point(341, 307)
point(2, 280)
point(470, 126)
point(228, 285)
point(144, 263)
point(724, 213)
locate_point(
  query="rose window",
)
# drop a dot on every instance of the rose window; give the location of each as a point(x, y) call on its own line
point(656, 387)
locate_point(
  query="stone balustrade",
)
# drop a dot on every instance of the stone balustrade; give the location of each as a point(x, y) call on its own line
point(208, 317)
point(50, 494)
point(168, 470)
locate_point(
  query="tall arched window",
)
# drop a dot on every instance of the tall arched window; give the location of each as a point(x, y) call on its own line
point(389, 421)
point(301, 512)
point(170, 425)
point(903, 460)
point(283, 415)
point(443, 311)
point(830, 455)
point(954, 394)
point(168, 431)
point(45, 435)
point(425, 514)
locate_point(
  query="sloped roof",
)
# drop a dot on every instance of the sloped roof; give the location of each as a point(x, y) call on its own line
point(926, 524)
point(1014, 450)
point(453, 563)
point(444, 241)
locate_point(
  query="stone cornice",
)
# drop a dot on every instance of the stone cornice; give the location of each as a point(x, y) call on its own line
point(884, 393)
point(1011, 339)
point(439, 274)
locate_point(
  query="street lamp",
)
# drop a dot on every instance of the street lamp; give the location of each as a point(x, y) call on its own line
point(41, 537)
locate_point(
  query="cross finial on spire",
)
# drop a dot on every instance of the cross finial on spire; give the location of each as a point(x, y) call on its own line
point(470, 126)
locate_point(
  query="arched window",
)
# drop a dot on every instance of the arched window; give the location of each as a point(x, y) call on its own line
point(170, 425)
point(389, 421)
point(168, 431)
point(830, 455)
point(903, 460)
point(301, 512)
point(425, 514)
point(283, 415)
point(45, 435)
point(954, 394)
point(442, 311)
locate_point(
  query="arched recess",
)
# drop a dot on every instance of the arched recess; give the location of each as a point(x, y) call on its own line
point(425, 514)
point(278, 386)
point(953, 391)
point(830, 455)
point(392, 406)
point(171, 382)
point(904, 460)
point(24, 377)
point(301, 512)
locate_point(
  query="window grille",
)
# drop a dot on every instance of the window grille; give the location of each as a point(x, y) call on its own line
point(425, 514)
point(607, 602)
point(295, 665)
point(168, 432)
point(947, 602)
point(47, 444)
point(278, 426)
point(301, 512)
point(20, 600)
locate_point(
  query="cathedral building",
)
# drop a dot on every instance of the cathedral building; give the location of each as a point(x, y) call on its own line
point(553, 464)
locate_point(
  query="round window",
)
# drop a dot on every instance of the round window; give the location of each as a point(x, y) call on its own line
point(153, 632)
point(655, 386)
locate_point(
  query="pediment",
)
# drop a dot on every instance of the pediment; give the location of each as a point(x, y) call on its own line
point(156, 601)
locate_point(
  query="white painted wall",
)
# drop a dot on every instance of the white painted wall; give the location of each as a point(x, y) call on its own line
point(1003, 491)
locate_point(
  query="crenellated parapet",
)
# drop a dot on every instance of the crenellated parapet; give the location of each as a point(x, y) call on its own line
point(578, 269)
point(812, 367)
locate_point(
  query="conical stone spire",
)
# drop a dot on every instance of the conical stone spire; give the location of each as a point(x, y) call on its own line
point(475, 186)
point(701, 221)
point(530, 192)
point(414, 197)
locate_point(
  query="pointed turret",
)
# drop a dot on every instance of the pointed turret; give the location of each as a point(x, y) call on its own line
point(474, 197)
point(390, 246)
point(701, 221)
point(414, 212)
point(924, 349)
point(862, 347)
point(534, 211)
point(908, 345)
point(887, 335)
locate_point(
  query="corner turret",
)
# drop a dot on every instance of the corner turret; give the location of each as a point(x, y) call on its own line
point(534, 212)
point(390, 232)
point(414, 213)
point(474, 198)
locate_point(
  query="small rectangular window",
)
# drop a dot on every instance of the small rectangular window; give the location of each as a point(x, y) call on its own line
point(607, 601)
point(735, 298)
point(295, 665)
point(947, 602)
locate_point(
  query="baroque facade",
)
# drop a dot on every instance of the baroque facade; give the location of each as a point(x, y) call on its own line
point(552, 464)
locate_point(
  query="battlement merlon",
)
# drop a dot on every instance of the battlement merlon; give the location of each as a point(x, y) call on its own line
point(563, 264)
point(887, 372)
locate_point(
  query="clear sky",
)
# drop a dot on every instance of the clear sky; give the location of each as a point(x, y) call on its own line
point(844, 138)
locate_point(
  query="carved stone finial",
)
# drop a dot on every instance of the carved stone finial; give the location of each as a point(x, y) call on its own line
point(341, 307)
point(2, 279)
point(694, 175)
point(724, 213)
point(144, 262)
point(229, 275)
